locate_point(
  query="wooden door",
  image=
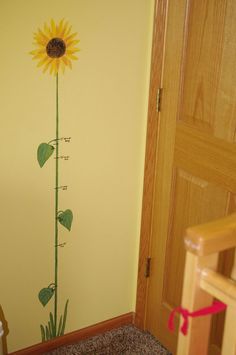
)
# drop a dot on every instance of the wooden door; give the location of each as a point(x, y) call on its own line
point(195, 172)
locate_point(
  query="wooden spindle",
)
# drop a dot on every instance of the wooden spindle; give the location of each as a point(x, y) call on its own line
point(194, 298)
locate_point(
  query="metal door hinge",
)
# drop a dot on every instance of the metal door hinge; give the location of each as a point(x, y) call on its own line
point(159, 96)
point(148, 265)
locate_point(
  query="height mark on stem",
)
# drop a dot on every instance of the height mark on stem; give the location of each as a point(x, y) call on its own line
point(61, 187)
point(65, 157)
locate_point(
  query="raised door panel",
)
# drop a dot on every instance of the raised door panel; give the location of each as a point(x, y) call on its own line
point(202, 202)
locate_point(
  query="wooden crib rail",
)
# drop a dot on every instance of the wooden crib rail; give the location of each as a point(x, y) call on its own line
point(212, 237)
point(219, 286)
point(202, 283)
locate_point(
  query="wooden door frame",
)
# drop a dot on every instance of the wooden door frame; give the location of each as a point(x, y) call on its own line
point(159, 29)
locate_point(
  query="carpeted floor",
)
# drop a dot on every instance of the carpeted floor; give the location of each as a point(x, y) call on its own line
point(126, 340)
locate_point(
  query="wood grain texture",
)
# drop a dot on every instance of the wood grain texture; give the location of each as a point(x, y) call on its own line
point(205, 156)
point(208, 81)
point(78, 335)
point(212, 237)
point(150, 159)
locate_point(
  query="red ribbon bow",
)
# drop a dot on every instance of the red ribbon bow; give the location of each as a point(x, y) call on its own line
point(216, 307)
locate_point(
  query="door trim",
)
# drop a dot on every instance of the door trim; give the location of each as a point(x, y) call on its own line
point(158, 41)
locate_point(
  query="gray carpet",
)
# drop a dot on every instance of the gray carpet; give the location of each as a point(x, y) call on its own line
point(126, 340)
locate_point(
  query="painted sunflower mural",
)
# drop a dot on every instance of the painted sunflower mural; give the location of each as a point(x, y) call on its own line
point(56, 48)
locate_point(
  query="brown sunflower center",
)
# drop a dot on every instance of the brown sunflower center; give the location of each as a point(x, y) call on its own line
point(56, 48)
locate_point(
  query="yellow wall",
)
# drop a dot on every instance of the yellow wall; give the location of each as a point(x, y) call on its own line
point(103, 107)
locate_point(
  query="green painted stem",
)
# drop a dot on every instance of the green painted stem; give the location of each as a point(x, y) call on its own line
point(56, 206)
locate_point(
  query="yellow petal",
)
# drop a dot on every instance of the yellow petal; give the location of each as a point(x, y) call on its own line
point(68, 31)
point(72, 56)
point(67, 61)
point(60, 28)
point(38, 51)
point(42, 61)
point(67, 39)
point(38, 56)
point(52, 66)
point(41, 41)
point(57, 65)
point(64, 28)
point(34, 52)
point(62, 66)
point(53, 28)
point(55, 68)
point(72, 42)
point(43, 35)
point(47, 65)
point(73, 50)
point(47, 30)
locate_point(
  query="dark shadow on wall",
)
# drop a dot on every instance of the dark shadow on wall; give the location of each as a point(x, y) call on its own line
point(5, 329)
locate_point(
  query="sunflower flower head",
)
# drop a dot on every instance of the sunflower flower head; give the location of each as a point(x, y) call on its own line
point(56, 47)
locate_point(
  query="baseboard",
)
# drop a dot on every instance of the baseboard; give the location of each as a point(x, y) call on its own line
point(78, 335)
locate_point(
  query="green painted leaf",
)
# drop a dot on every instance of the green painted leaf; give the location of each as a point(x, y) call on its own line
point(53, 328)
point(43, 335)
point(45, 295)
point(50, 330)
point(59, 327)
point(44, 152)
point(65, 218)
point(64, 318)
point(47, 333)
